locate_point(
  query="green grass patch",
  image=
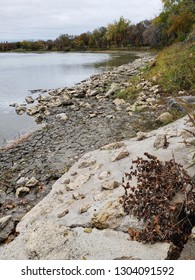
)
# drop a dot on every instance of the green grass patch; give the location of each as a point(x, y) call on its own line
point(174, 68)
point(130, 94)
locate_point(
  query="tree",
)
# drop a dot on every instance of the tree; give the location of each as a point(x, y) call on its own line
point(117, 32)
point(63, 42)
point(177, 19)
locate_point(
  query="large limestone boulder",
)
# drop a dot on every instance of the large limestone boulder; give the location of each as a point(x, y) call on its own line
point(82, 216)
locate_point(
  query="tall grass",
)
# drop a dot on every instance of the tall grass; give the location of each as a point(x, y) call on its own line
point(175, 68)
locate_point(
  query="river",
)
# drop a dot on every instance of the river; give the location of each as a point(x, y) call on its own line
point(22, 72)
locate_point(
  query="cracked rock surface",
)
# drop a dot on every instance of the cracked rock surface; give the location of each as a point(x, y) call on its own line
point(80, 218)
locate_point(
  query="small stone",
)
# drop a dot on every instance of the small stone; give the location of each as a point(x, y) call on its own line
point(21, 191)
point(20, 110)
point(84, 209)
point(13, 104)
point(88, 230)
point(33, 110)
point(120, 155)
point(141, 136)
point(112, 90)
point(151, 100)
point(129, 108)
point(62, 117)
point(93, 93)
point(86, 105)
point(165, 118)
point(64, 213)
point(46, 112)
point(78, 196)
point(110, 117)
point(29, 99)
point(32, 182)
point(22, 181)
point(154, 88)
point(110, 185)
point(6, 227)
point(39, 118)
point(104, 175)
point(161, 141)
point(193, 233)
point(93, 115)
point(110, 216)
point(119, 103)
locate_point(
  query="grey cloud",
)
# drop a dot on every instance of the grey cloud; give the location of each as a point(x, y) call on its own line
point(44, 19)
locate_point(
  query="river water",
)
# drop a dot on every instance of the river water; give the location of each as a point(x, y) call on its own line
point(22, 72)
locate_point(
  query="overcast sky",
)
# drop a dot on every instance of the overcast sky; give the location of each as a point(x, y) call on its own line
point(47, 19)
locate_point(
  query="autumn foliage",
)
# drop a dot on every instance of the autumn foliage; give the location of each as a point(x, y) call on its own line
point(174, 23)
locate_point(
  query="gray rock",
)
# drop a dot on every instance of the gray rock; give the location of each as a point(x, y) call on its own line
point(175, 105)
point(62, 117)
point(78, 196)
point(32, 182)
point(20, 110)
point(22, 181)
point(161, 141)
point(119, 103)
point(141, 136)
point(165, 118)
point(29, 99)
point(109, 185)
point(6, 227)
point(84, 209)
point(188, 99)
point(39, 118)
point(121, 154)
point(188, 253)
point(93, 93)
point(21, 191)
point(13, 104)
point(33, 110)
point(114, 87)
point(63, 213)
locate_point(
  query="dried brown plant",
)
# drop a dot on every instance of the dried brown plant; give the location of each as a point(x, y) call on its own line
point(163, 197)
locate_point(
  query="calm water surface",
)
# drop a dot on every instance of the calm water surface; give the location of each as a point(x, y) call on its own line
point(21, 72)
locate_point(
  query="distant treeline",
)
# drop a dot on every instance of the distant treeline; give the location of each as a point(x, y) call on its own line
point(174, 24)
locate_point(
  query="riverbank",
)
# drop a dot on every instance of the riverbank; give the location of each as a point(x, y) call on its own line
point(44, 71)
point(76, 120)
point(92, 120)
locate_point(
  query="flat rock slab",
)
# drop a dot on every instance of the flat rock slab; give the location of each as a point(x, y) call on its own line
point(58, 227)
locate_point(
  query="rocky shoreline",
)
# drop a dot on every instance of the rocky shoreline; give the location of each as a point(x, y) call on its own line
point(83, 121)
point(76, 120)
